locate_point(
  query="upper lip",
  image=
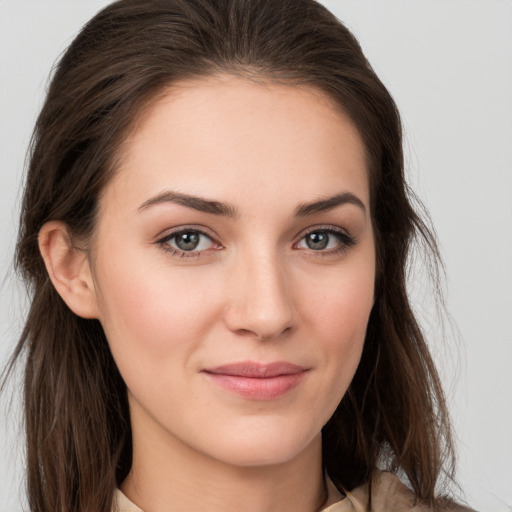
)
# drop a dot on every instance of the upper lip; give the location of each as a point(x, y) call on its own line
point(251, 369)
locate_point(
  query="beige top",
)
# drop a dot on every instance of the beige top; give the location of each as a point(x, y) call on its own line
point(389, 495)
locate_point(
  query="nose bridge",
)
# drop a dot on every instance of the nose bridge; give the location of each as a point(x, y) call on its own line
point(260, 300)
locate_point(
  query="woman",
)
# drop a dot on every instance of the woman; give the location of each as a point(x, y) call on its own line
point(215, 230)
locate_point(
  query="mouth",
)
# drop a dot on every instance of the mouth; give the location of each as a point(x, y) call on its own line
point(257, 381)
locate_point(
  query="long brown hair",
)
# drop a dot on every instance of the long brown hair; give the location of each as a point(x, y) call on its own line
point(77, 420)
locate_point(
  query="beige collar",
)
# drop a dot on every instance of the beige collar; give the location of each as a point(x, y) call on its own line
point(388, 493)
point(334, 500)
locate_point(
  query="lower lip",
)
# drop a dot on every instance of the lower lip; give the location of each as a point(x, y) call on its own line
point(267, 388)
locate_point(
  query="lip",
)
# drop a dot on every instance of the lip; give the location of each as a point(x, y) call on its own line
point(257, 381)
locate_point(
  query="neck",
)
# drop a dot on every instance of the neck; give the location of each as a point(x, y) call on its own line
point(169, 476)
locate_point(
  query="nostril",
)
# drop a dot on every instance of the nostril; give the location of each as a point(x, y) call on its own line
point(258, 299)
point(268, 337)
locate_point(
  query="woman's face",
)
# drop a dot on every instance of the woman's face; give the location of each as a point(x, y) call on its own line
point(234, 266)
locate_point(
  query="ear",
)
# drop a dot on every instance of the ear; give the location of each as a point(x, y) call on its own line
point(69, 269)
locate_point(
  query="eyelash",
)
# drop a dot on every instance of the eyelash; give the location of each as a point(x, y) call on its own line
point(346, 242)
point(163, 243)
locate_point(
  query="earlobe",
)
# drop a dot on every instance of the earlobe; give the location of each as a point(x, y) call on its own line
point(69, 269)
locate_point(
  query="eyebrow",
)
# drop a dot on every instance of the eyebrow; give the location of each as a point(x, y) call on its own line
point(329, 203)
point(226, 210)
point(194, 202)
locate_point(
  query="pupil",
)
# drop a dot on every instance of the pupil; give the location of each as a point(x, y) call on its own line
point(187, 241)
point(317, 241)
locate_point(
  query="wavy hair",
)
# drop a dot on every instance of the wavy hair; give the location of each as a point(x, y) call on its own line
point(393, 415)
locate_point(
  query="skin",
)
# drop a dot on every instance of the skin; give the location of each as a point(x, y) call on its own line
point(256, 291)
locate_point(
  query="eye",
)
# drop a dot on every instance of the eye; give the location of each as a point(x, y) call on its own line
point(327, 240)
point(187, 242)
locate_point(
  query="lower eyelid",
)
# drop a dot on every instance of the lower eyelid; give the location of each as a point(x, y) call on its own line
point(181, 254)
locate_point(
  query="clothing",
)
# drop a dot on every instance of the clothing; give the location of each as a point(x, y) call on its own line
point(389, 495)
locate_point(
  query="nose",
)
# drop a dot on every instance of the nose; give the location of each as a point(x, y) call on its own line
point(260, 298)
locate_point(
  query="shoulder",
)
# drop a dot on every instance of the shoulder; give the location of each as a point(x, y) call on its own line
point(388, 492)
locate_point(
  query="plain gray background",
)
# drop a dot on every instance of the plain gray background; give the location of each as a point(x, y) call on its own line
point(449, 66)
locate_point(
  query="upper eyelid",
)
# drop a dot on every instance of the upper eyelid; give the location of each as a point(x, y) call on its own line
point(209, 232)
point(326, 227)
point(169, 233)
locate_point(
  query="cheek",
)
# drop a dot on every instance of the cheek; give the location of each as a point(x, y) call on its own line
point(152, 314)
point(339, 312)
point(341, 305)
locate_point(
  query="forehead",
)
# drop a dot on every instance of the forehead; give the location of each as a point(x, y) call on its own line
point(236, 139)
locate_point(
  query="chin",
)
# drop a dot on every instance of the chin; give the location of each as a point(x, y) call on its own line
point(264, 447)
